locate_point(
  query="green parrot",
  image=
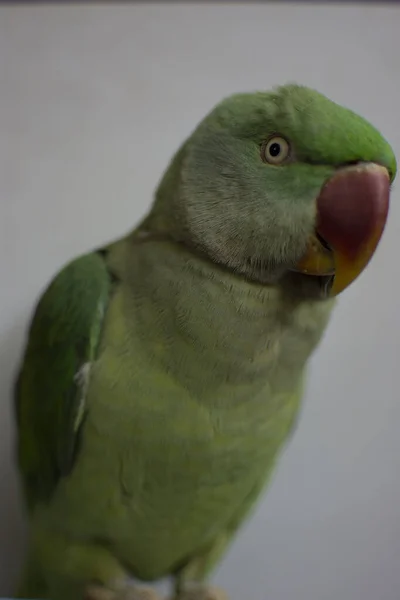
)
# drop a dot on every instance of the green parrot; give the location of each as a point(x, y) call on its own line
point(163, 373)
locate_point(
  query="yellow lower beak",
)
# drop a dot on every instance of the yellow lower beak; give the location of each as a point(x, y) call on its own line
point(352, 211)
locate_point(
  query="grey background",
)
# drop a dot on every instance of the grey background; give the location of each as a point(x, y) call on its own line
point(94, 101)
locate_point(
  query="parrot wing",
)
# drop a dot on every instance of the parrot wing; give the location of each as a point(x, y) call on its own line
point(49, 394)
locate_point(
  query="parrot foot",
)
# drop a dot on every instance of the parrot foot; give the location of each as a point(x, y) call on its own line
point(201, 592)
point(126, 592)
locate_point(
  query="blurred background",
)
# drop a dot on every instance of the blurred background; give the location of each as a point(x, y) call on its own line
point(94, 101)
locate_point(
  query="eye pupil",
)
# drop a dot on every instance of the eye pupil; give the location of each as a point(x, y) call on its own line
point(274, 149)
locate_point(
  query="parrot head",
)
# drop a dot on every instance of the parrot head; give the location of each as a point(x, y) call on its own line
point(278, 184)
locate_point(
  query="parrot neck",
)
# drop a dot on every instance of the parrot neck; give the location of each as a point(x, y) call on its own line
point(198, 318)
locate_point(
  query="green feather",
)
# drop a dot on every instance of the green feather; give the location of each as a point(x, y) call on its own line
point(51, 387)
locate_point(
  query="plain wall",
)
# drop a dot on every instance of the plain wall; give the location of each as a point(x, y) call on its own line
point(94, 101)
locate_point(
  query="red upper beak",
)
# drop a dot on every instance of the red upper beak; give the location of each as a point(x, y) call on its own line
point(352, 211)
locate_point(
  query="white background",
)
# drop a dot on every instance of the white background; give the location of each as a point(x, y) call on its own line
point(94, 101)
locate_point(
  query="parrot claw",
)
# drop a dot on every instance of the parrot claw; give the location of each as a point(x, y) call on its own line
point(202, 593)
point(127, 592)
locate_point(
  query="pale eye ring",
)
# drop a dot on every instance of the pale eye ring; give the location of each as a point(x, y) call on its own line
point(275, 150)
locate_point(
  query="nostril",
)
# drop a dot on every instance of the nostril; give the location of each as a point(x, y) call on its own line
point(350, 163)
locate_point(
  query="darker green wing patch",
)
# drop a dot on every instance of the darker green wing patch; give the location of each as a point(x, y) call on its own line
point(50, 391)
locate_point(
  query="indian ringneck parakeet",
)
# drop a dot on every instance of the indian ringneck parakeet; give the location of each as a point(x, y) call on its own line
point(163, 373)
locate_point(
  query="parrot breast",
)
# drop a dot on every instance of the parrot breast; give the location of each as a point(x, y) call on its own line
point(195, 390)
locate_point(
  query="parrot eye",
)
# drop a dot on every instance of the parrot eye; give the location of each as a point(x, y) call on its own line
point(275, 151)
